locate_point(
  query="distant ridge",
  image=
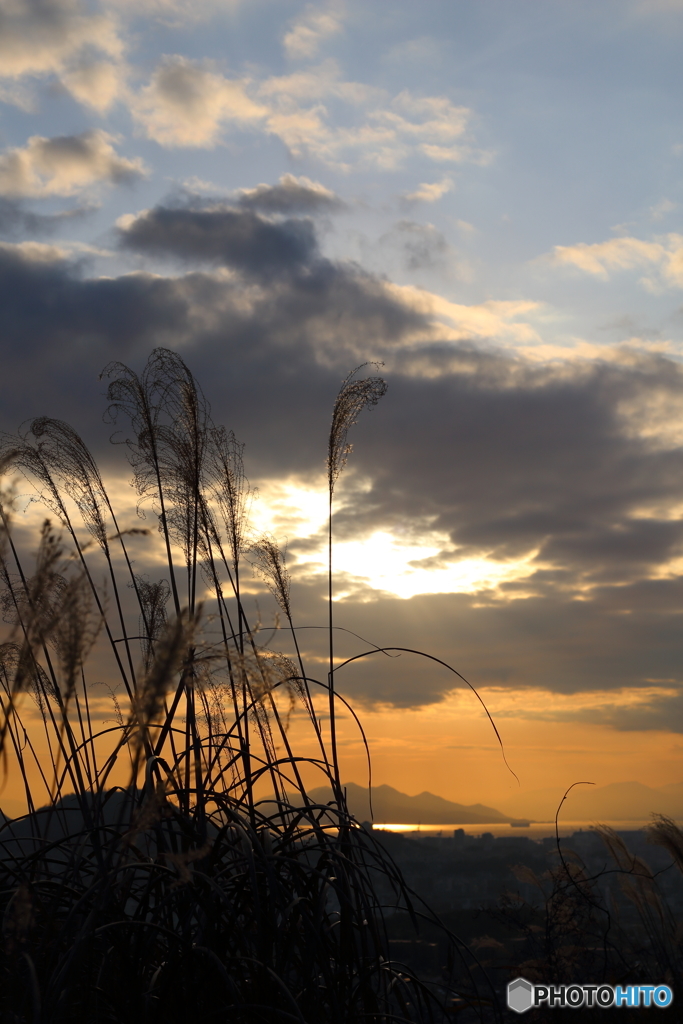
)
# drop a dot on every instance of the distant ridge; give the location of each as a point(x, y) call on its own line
point(618, 801)
point(392, 807)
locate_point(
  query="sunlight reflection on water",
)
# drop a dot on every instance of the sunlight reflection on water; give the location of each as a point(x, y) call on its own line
point(535, 830)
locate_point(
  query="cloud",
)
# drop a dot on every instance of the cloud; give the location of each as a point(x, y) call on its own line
point(39, 37)
point(429, 192)
point(97, 84)
point(422, 246)
point(432, 117)
point(664, 256)
point(224, 236)
point(545, 435)
point(493, 320)
point(657, 706)
point(18, 95)
point(318, 83)
point(304, 38)
point(445, 154)
point(660, 209)
point(307, 132)
point(174, 13)
point(304, 321)
point(567, 471)
point(377, 130)
point(15, 219)
point(32, 252)
point(601, 257)
point(662, 711)
point(64, 165)
point(187, 104)
point(291, 195)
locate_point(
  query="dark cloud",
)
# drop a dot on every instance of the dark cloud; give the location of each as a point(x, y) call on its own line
point(660, 712)
point(291, 196)
point(613, 640)
point(16, 221)
point(59, 330)
point(505, 457)
point(520, 458)
point(228, 237)
point(281, 344)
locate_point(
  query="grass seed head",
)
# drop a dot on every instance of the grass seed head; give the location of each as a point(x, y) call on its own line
point(353, 397)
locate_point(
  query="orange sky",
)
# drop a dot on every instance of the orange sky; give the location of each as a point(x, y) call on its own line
point(448, 746)
point(451, 750)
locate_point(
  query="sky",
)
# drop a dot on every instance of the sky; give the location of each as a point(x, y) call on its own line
point(487, 199)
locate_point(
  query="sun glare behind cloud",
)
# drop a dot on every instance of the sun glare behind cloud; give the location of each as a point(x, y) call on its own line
point(423, 562)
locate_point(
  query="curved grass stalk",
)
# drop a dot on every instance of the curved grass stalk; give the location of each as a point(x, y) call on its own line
point(180, 870)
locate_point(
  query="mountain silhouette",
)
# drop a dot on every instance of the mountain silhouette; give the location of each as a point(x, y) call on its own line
point(392, 807)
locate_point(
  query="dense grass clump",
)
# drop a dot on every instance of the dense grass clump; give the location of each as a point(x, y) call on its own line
point(171, 865)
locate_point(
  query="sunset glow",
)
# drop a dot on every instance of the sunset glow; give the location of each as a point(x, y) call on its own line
point(480, 205)
point(382, 561)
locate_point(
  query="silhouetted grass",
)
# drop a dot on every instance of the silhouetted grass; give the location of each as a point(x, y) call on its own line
point(150, 879)
point(611, 924)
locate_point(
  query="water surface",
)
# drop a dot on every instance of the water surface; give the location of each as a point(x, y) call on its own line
point(535, 830)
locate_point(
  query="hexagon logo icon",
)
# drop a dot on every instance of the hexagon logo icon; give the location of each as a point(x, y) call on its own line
point(520, 995)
